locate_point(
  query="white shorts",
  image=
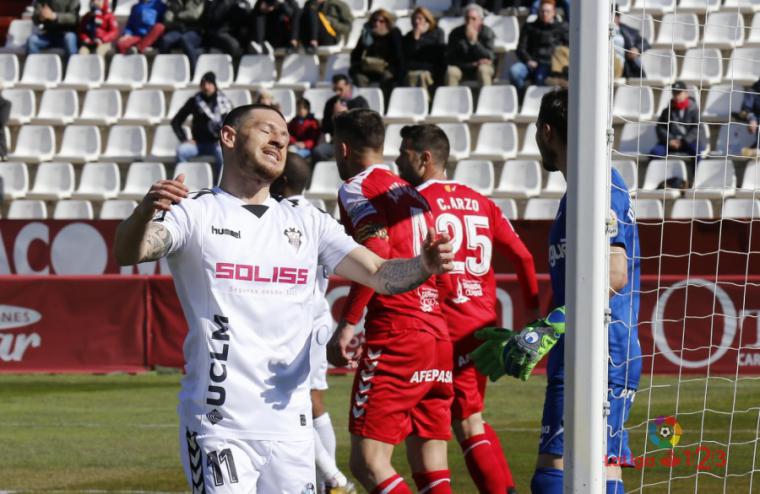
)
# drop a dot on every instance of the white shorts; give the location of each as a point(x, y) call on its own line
point(320, 335)
point(216, 465)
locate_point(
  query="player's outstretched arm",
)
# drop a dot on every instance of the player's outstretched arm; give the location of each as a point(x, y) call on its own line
point(394, 276)
point(137, 238)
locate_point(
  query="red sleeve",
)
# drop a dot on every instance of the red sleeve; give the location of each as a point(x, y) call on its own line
point(508, 243)
point(112, 28)
point(83, 29)
point(311, 136)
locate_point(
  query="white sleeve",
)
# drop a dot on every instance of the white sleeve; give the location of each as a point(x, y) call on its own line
point(334, 243)
point(179, 222)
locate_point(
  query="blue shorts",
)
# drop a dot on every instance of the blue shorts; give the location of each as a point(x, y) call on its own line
point(552, 428)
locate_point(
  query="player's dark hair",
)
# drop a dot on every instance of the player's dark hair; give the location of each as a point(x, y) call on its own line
point(553, 112)
point(295, 176)
point(360, 128)
point(340, 77)
point(237, 114)
point(428, 137)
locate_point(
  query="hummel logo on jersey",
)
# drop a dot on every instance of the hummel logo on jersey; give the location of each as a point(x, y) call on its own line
point(294, 237)
point(367, 376)
point(364, 388)
point(225, 231)
point(214, 416)
point(358, 412)
point(374, 355)
point(361, 400)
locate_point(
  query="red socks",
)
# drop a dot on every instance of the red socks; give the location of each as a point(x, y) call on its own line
point(438, 482)
point(498, 453)
point(392, 485)
point(483, 466)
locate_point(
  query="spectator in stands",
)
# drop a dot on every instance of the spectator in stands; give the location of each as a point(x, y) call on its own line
point(470, 51)
point(98, 29)
point(424, 47)
point(208, 108)
point(750, 110)
point(535, 8)
point(304, 129)
point(538, 40)
point(343, 100)
point(264, 97)
point(5, 114)
point(324, 22)
point(378, 56)
point(276, 21)
point(629, 45)
point(56, 22)
point(182, 28)
point(223, 22)
point(143, 28)
point(678, 126)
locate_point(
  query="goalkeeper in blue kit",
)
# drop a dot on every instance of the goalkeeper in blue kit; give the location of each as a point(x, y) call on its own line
point(517, 353)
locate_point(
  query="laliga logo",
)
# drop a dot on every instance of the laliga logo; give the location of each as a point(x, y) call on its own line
point(14, 345)
point(665, 432)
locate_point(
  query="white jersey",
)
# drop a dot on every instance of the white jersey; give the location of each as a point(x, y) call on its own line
point(246, 276)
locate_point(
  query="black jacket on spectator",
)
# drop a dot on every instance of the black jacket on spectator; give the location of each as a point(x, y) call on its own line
point(538, 40)
point(222, 16)
point(462, 53)
point(279, 26)
point(679, 124)
point(632, 38)
point(67, 12)
point(327, 115)
point(202, 128)
point(183, 15)
point(388, 47)
point(426, 53)
point(751, 102)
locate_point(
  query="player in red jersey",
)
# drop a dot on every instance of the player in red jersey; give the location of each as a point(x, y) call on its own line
point(403, 384)
point(476, 226)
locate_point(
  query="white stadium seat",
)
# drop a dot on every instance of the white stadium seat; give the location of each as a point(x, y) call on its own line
point(555, 186)
point(353, 37)
point(629, 170)
point(713, 179)
point(34, 143)
point(496, 103)
point(451, 104)
point(42, 71)
point(476, 174)
point(256, 72)
point(299, 72)
point(325, 181)
point(144, 107)
point(392, 141)
point(753, 37)
point(699, 6)
point(459, 140)
point(80, 143)
point(140, 176)
point(126, 143)
point(15, 177)
point(540, 208)
point(724, 30)
point(219, 64)
point(124, 7)
point(520, 179)
point(397, 7)
point(529, 149)
point(24, 209)
point(238, 97)
point(497, 141)
point(654, 6)
point(508, 207)
point(658, 172)
point(741, 208)
point(85, 72)
point(678, 31)
point(358, 7)
point(507, 31)
point(317, 97)
point(169, 72)
point(732, 139)
point(101, 107)
point(198, 175)
point(57, 107)
point(720, 103)
point(532, 103)
point(448, 24)
point(99, 181)
point(54, 181)
point(637, 139)
point(687, 209)
point(744, 65)
point(648, 209)
point(165, 142)
point(117, 209)
point(337, 63)
point(702, 66)
point(127, 72)
point(633, 103)
point(286, 98)
point(744, 6)
point(374, 97)
point(179, 98)
point(15, 39)
point(659, 66)
point(407, 105)
point(73, 210)
point(750, 182)
point(642, 22)
point(23, 105)
point(435, 6)
point(10, 70)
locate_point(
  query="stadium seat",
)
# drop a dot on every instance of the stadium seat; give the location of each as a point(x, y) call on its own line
point(79, 144)
point(169, 72)
point(127, 72)
point(9, 70)
point(732, 139)
point(753, 37)
point(299, 72)
point(448, 24)
point(358, 7)
point(678, 31)
point(392, 141)
point(713, 179)
point(198, 175)
point(658, 172)
point(407, 105)
point(532, 103)
point(325, 181)
point(179, 98)
point(741, 208)
point(721, 101)
point(507, 31)
point(451, 104)
point(117, 209)
point(744, 6)
point(126, 143)
point(256, 72)
point(404, 24)
point(15, 178)
point(637, 139)
point(73, 210)
point(437, 7)
point(85, 72)
point(648, 209)
point(699, 6)
point(238, 97)
point(23, 105)
point(642, 22)
point(555, 186)
point(398, 7)
point(286, 98)
point(54, 180)
point(687, 209)
point(750, 188)
point(123, 8)
point(337, 63)
point(42, 71)
point(724, 30)
point(164, 147)
point(318, 96)
point(476, 174)
point(520, 179)
point(24, 209)
point(702, 66)
point(659, 65)
point(540, 208)
point(529, 149)
point(633, 103)
point(57, 107)
point(497, 141)
point(459, 140)
point(34, 143)
point(140, 176)
point(353, 37)
point(658, 7)
point(144, 107)
point(15, 39)
point(496, 103)
point(374, 97)
point(101, 107)
point(744, 65)
point(629, 170)
point(508, 207)
point(99, 181)
point(218, 63)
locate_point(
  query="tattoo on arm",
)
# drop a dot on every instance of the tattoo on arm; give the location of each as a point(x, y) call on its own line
point(156, 242)
point(401, 275)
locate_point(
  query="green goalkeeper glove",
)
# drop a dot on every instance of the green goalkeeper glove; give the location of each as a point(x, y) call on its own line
point(489, 357)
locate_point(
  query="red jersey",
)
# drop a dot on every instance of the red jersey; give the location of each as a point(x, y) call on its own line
point(388, 216)
point(476, 225)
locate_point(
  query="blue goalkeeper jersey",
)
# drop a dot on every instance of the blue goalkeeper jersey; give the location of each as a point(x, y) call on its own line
point(624, 350)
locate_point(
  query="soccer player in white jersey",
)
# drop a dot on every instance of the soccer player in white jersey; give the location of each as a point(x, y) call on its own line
point(291, 185)
point(245, 268)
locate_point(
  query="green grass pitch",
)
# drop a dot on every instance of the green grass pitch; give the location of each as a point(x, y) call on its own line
point(118, 433)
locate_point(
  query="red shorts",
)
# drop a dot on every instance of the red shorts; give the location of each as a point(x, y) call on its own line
point(469, 384)
point(402, 387)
